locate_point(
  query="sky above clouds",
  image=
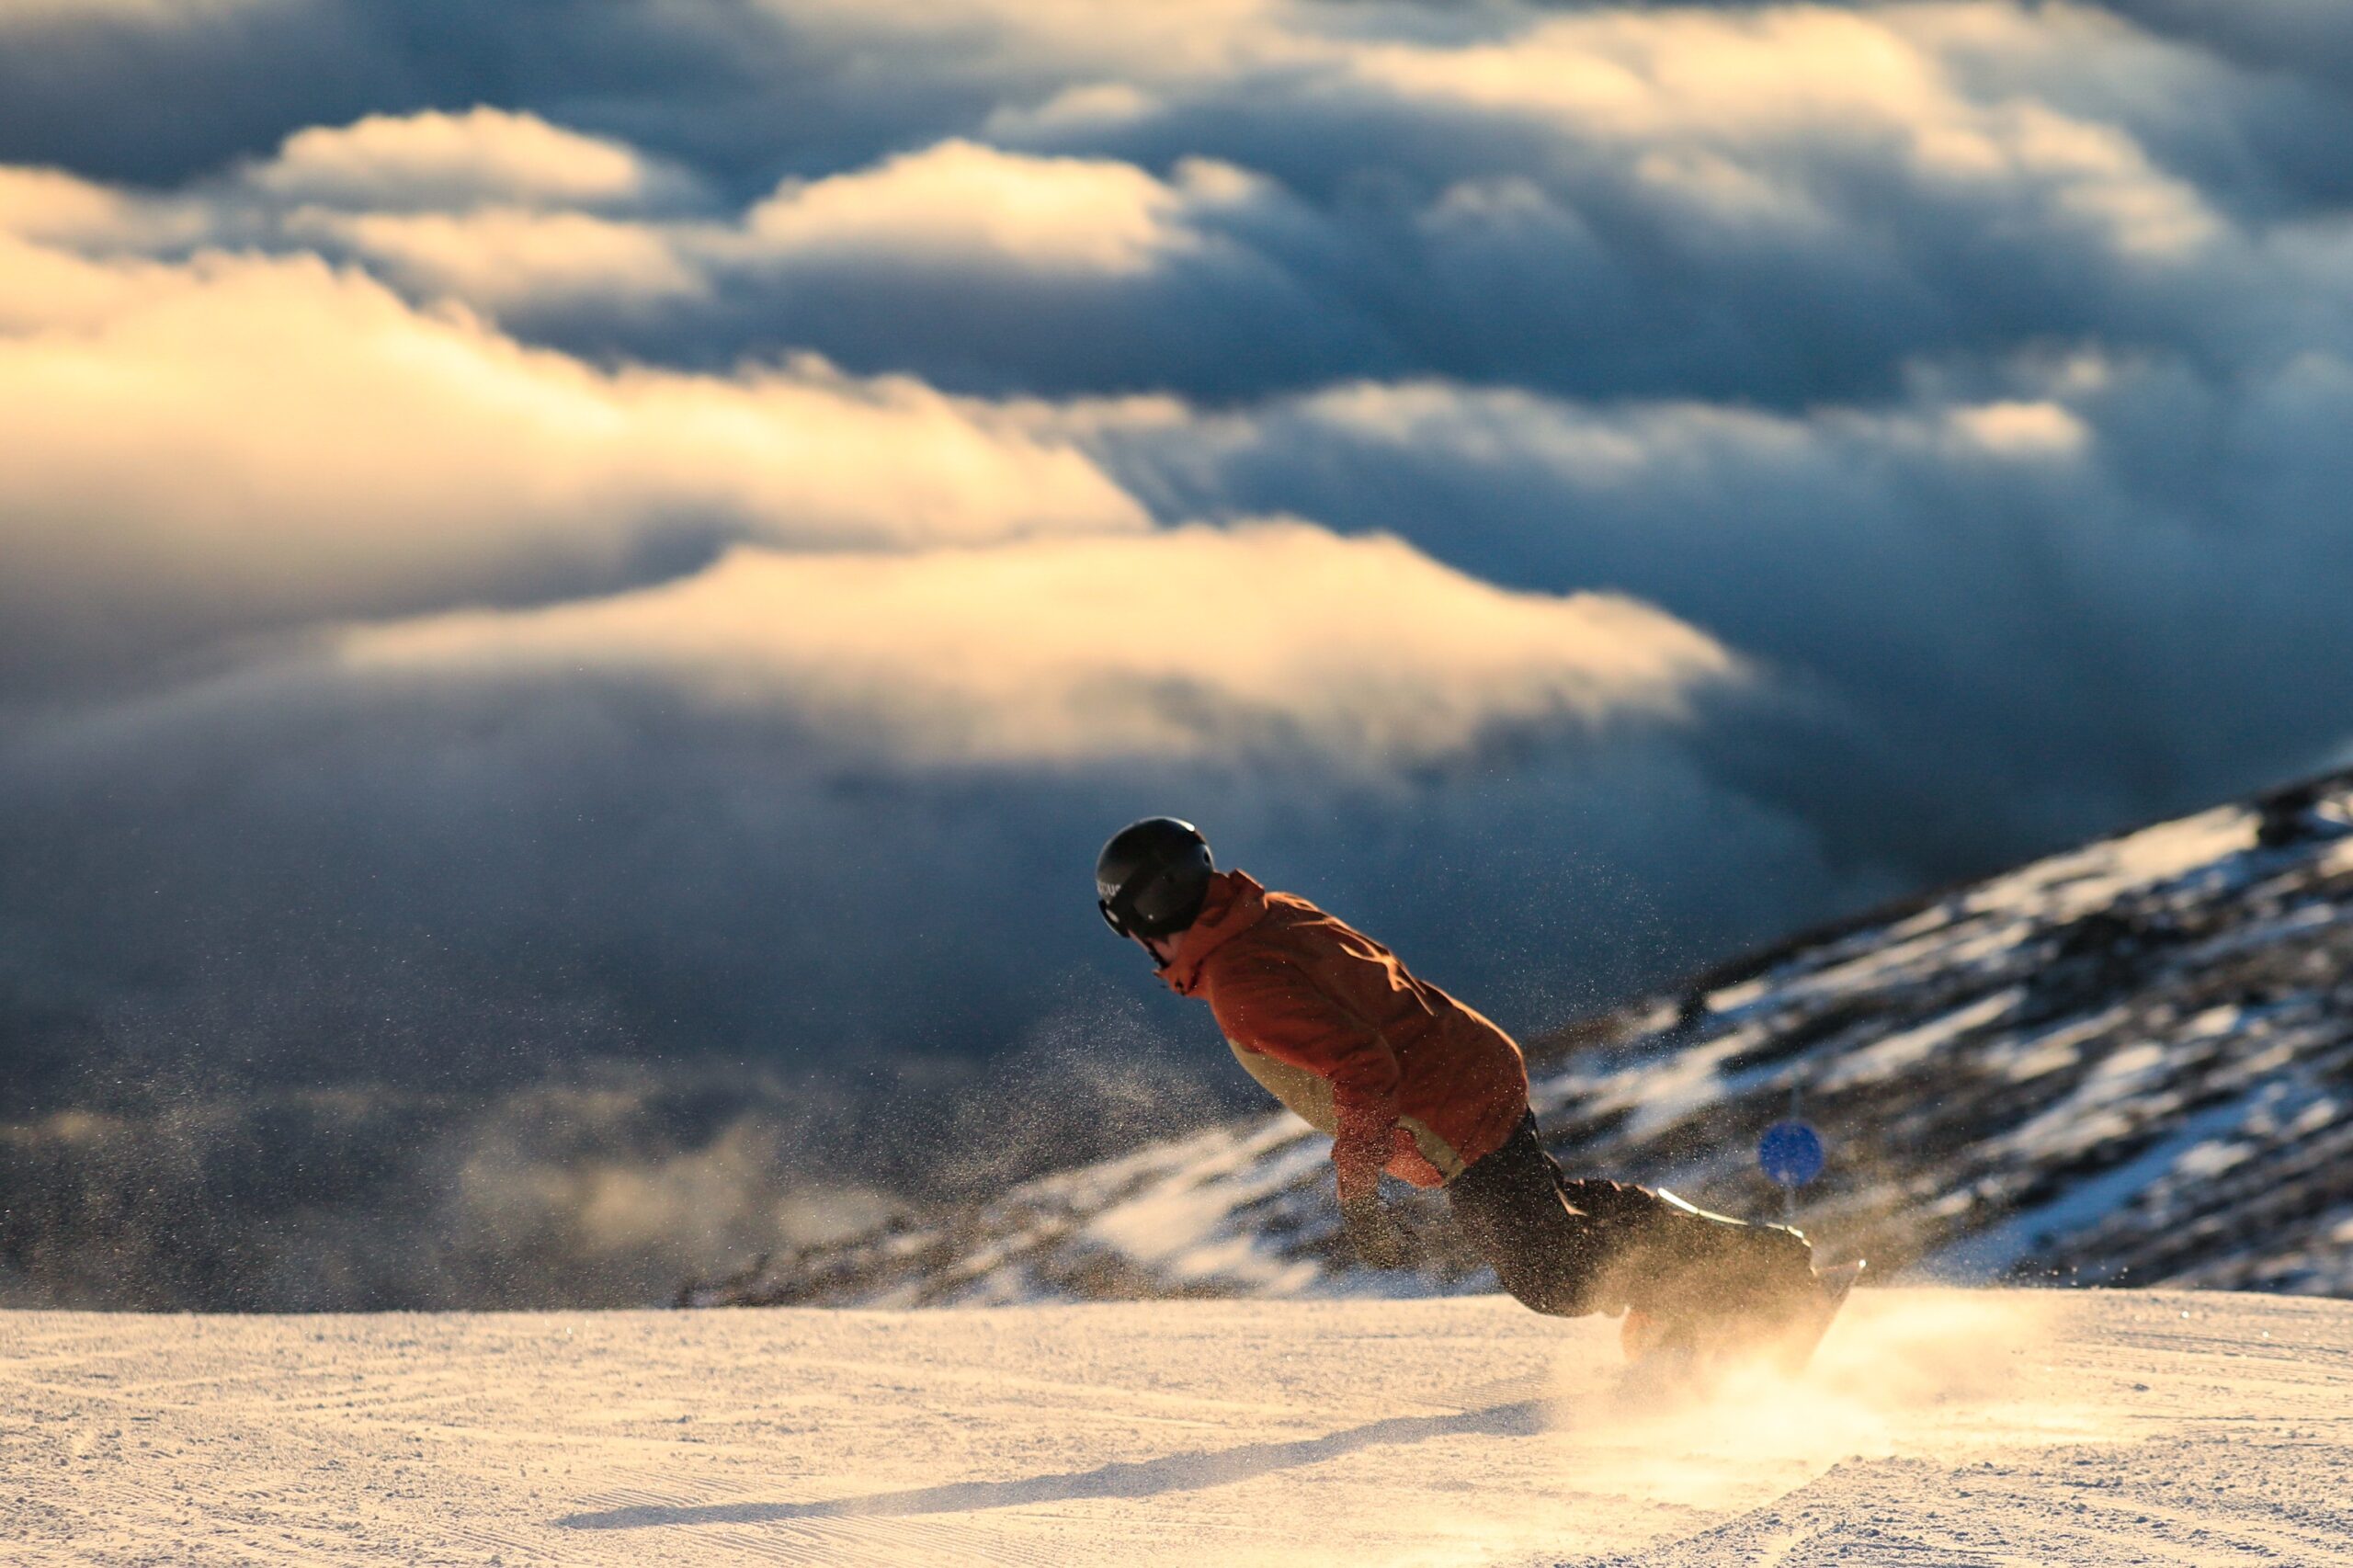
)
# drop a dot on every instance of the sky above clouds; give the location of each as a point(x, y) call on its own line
point(673, 530)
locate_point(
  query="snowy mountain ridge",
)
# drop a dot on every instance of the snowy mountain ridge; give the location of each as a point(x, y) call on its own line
point(2125, 1064)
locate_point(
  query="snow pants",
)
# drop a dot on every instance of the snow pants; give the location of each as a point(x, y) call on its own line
point(1568, 1246)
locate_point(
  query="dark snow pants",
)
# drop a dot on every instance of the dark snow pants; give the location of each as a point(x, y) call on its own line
point(1569, 1247)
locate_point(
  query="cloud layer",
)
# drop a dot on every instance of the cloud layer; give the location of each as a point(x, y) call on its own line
point(671, 531)
point(1260, 641)
point(239, 441)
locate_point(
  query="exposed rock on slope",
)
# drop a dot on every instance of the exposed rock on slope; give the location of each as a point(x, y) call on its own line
point(2130, 1063)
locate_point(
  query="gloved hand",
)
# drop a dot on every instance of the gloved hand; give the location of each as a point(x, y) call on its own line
point(1373, 1235)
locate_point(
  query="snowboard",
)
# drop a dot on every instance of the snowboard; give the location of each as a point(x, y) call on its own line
point(1702, 1353)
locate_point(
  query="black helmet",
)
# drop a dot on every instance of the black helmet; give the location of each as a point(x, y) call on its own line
point(1150, 879)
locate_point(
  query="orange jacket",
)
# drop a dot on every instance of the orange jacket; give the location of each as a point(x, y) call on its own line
point(1405, 1078)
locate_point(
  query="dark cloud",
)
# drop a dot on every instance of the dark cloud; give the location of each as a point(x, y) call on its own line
point(1992, 175)
point(321, 971)
point(2309, 39)
point(450, 875)
point(157, 94)
point(747, 92)
point(2059, 613)
point(1404, 201)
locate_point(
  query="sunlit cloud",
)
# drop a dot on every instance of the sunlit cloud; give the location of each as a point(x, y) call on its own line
point(453, 162)
point(61, 14)
point(1714, 102)
point(1195, 643)
point(246, 437)
point(963, 203)
point(1854, 185)
point(50, 206)
point(2022, 429)
point(505, 259)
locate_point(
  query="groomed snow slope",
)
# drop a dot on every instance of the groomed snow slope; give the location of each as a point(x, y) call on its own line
point(1937, 1426)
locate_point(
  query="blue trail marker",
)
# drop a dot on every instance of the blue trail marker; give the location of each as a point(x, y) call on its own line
point(1790, 1154)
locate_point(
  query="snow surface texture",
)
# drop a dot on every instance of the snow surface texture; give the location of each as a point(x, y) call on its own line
point(1936, 1427)
point(2125, 1064)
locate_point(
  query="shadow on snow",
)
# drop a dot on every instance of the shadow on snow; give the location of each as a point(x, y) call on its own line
point(1177, 1473)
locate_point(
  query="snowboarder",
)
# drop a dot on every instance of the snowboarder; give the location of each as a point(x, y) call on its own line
point(1410, 1081)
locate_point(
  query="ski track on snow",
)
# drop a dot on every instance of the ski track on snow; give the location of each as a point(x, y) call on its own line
point(1951, 1428)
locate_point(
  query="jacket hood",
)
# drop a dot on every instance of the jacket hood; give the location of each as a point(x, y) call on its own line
point(1235, 903)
